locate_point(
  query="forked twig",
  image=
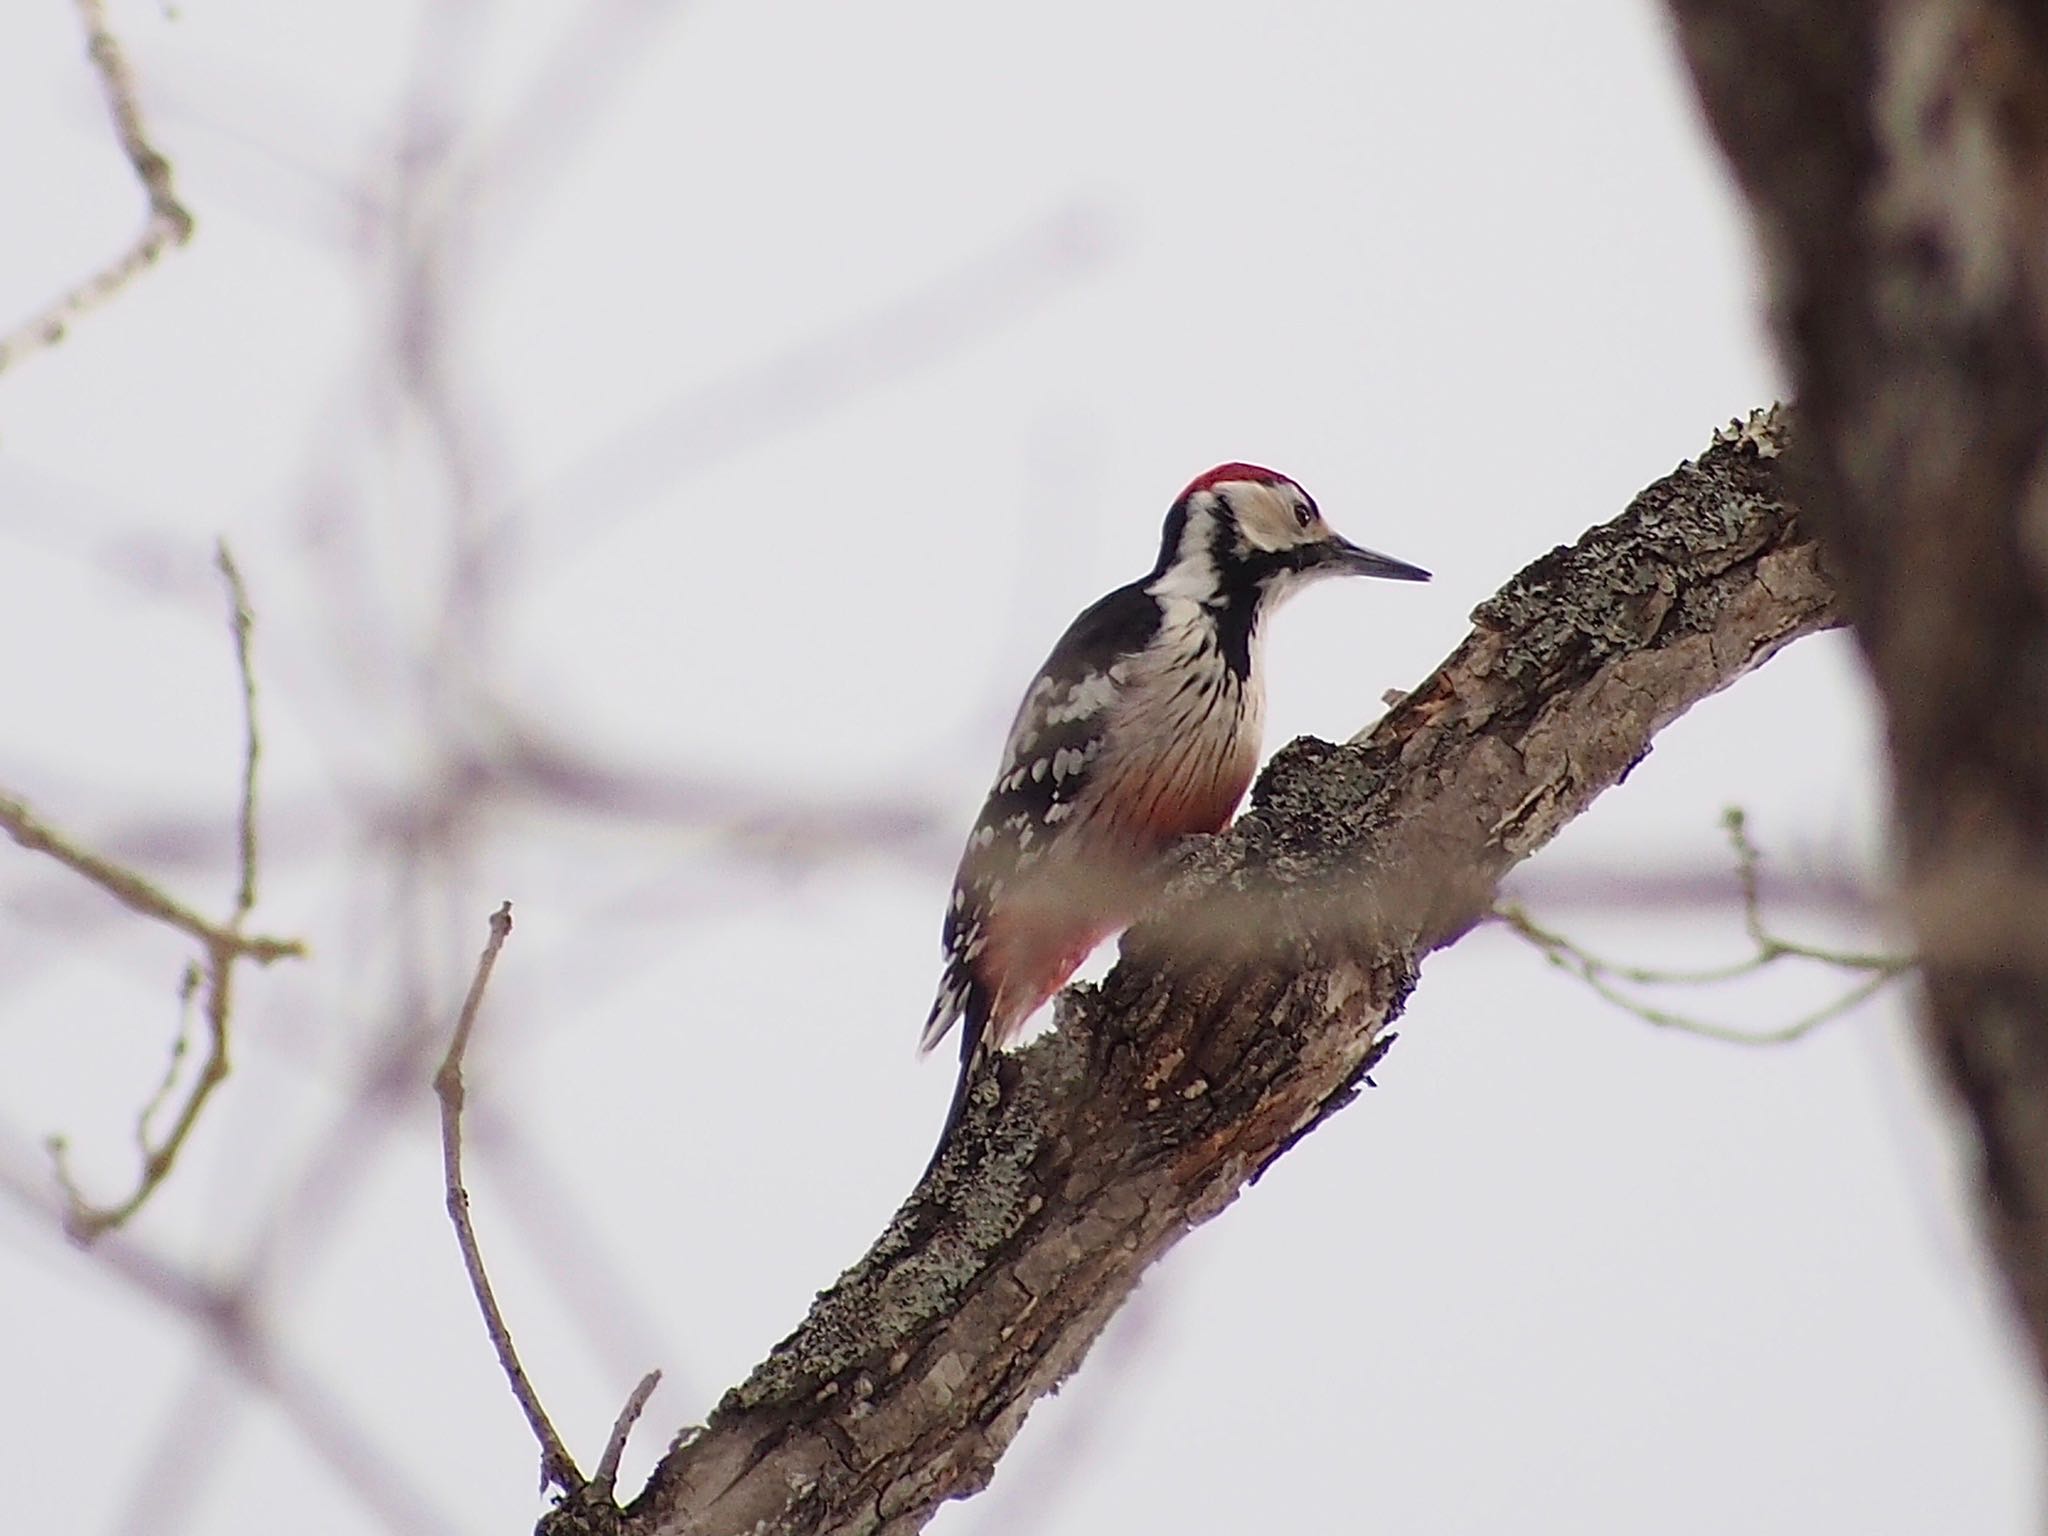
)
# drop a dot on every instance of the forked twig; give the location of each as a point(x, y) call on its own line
point(167, 224)
point(188, 990)
point(556, 1465)
point(1607, 978)
point(211, 980)
point(138, 895)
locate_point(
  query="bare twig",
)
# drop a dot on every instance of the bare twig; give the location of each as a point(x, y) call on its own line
point(212, 981)
point(188, 989)
point(135, 893)
point(1607, 978)
point(239, 622)
point(556, 1465)
point(168, 223)
point(614, 1448)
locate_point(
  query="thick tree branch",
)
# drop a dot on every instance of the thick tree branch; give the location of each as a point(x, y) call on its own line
point(1896, 158)
point(1243, 1013)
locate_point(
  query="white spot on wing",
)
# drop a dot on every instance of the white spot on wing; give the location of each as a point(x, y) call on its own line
point(1071, 760)
point(1090, 696)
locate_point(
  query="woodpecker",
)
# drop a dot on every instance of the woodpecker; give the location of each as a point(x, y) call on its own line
point(1141, 728)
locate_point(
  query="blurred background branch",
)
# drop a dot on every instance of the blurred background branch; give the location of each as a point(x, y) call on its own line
point(166, 224)
point(1768, 948)
point(210, 982)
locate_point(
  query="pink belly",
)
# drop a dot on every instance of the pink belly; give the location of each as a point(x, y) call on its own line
point(1053, 917)
point(1192, 787)
point(1025, 964)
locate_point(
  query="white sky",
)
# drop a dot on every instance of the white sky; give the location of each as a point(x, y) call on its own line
point(810, 365)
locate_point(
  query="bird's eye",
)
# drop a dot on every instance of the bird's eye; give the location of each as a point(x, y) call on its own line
point(1304, 514)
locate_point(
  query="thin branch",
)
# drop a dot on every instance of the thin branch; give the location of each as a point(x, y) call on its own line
point(556, 1465)
point(85, 1220)
point(1601, 977)
point(1606, 978)
point(1748, 867)
point(239, 622)
point(168, 223)
point(213, 980)
point(608, 1465)
point(188, 989)
point(135, 893)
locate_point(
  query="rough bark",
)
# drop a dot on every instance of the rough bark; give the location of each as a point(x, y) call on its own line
point(1243, 1013)
point(1895, 157)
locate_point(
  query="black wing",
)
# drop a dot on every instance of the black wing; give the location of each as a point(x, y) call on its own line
point(1055, 736)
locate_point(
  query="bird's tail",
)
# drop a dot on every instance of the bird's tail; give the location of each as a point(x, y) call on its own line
point(973, 1026)
point(956, 997)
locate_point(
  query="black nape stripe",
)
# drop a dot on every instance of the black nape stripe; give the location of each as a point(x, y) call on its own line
point(1241, 572)
point(1169, 536)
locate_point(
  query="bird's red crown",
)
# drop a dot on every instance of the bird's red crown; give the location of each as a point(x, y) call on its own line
point(1233, 471)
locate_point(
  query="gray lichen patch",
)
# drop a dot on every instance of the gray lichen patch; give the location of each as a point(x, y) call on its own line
point(938, 1245)
point(1765, 431)
point(1621, 585)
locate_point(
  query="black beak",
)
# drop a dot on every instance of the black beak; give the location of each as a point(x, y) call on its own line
point(1350, 560)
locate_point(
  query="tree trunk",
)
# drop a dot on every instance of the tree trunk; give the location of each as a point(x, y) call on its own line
point(1896, 158)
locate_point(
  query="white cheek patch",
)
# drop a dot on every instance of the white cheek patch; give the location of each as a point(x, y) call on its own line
point(1267, 519)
